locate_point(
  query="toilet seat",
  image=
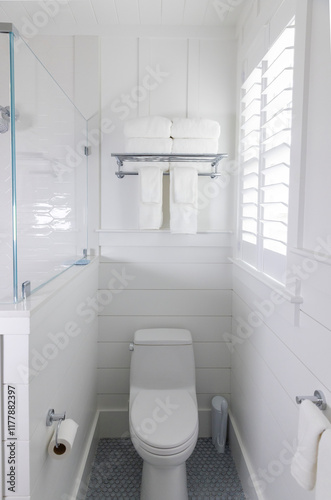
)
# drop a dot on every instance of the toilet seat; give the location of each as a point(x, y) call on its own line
point(164, 421)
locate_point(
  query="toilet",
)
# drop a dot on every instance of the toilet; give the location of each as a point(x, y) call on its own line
point(163, 410)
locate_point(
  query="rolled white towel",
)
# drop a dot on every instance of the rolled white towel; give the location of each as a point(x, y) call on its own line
point(195, 128)
point(148, 126)
point(312, 423)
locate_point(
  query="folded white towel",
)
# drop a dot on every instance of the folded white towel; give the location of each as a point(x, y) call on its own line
point(150, 206)
point(195, 146)
point(148, 126)
point(323, 479)
point(194, 128)
point(183, 200)
point(148, 146)
point(312, 423)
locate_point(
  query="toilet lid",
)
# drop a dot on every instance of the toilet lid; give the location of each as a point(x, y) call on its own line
point(164, 419)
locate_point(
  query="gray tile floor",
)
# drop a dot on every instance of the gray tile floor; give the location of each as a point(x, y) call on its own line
point(116, 473)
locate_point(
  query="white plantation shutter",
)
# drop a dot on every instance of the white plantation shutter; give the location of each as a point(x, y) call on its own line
point(250, 154)
point(266, 115)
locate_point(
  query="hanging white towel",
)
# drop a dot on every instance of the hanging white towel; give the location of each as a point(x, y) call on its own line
point(323, 478)
point(183, 200)
point(150, 189)
point(312, 423)
point(195, 128)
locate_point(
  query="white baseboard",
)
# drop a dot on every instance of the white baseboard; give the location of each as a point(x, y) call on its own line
point(81, 484)
point(244, 467)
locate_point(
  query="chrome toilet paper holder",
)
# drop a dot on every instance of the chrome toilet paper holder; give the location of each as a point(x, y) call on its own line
point(55, 417)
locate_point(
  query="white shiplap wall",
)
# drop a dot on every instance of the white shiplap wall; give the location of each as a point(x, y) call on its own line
point(166, 281)
point(178, 280)
point(194, 79)
point(281, 354)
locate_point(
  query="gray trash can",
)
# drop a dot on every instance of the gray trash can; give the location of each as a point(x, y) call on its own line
point(219, 422)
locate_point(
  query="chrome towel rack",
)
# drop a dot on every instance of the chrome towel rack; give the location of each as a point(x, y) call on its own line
point(213, 159)
point(318, 399)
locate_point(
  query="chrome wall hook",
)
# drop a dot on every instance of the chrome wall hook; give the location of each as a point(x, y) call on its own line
point(318, 399)
point(55, 417)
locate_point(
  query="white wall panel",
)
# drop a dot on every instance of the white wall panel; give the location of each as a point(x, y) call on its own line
point(113, 381)
point(191, 77)
point(179, 283)
point(170, 96)
point(276, 358)
point(193, 103)
point(202, 328)
point(156, 254)
point(318, 177)
point(213, 380)
point(167, 276)
point(165, 302)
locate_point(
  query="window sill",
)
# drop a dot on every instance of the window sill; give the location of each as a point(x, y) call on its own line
point(281, 289)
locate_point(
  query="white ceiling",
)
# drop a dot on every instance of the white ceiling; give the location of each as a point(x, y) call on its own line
point(95, 16)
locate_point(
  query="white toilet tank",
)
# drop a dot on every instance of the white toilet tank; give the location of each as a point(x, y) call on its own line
point(162, 358)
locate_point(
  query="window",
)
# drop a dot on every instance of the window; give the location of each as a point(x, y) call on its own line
point(265, 146)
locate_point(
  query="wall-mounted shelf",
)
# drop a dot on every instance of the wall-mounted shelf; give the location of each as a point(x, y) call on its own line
point(213, 159)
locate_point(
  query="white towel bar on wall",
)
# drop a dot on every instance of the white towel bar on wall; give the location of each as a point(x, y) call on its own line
point(213, 159)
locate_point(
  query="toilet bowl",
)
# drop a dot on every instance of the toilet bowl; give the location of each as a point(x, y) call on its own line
point(163, 410)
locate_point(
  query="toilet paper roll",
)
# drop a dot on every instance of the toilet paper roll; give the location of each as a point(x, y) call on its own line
point(66, 437)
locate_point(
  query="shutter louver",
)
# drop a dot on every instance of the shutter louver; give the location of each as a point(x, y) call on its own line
point(265, 146)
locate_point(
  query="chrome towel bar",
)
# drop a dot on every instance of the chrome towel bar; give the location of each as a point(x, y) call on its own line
point(213, 159)
point(318, 399)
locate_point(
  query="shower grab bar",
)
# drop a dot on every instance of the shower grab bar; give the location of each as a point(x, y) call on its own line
point(213, 159)
point(318, 399)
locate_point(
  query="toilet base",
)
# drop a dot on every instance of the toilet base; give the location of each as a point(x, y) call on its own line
point(163, 483)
